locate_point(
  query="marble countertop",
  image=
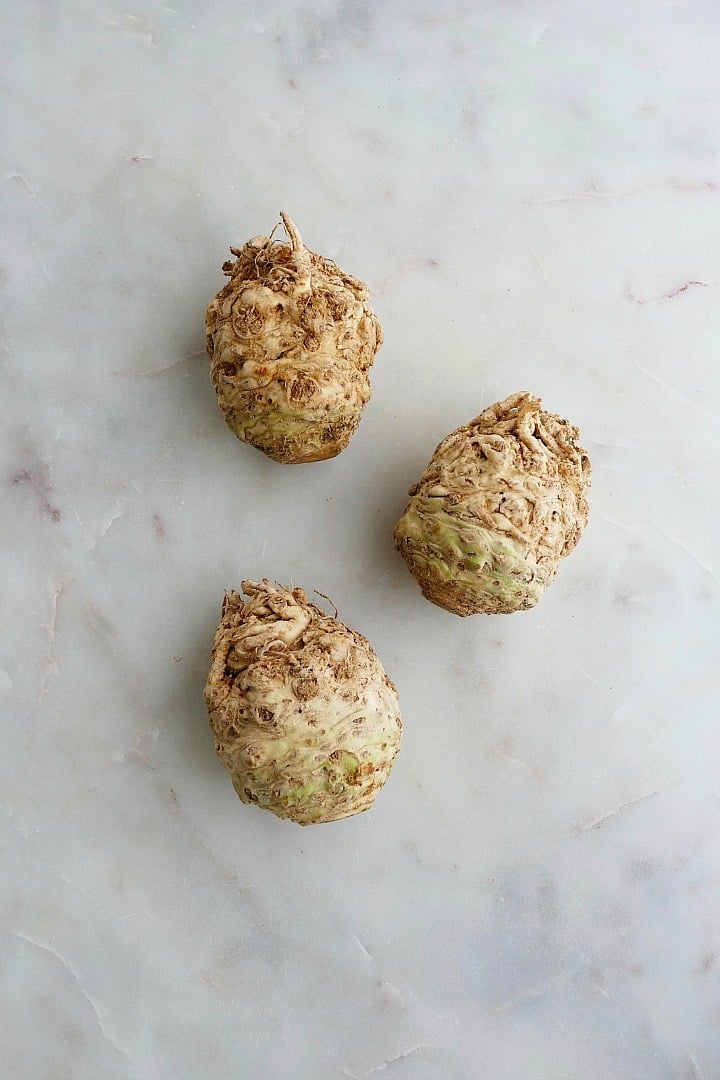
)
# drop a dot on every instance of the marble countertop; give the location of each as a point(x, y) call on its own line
point(532, 192)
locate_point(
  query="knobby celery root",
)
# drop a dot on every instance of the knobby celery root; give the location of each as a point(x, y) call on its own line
point(305, 719)
point(501, 502)
point(291, 339)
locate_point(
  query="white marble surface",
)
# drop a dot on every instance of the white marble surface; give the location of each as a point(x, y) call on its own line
point(532, 191)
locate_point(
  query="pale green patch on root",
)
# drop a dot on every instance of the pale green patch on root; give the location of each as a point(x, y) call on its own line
point(292, 438)
point(454, 558)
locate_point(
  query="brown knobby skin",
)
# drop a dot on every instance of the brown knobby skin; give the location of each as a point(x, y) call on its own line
point(291, 339)
point(305, 719)
point(501, 502)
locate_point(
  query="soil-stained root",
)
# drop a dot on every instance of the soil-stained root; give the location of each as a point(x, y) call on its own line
point(305, 719)
point(501, 502)
point(291, 339)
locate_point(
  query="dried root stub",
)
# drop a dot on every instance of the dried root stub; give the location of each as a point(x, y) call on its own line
point(291, 339)
point(500, 503)
point(305, 719)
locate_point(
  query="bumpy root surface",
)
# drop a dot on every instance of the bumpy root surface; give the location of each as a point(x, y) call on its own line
point(291, 339)
point(305, 719)
point(501, 502)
